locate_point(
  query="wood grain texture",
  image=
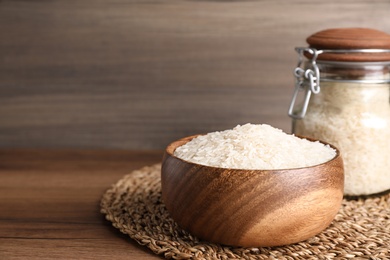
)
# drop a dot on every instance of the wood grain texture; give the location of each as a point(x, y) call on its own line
point(251, 208)
point(49, 204)
point(350, 38)
point(140, 74)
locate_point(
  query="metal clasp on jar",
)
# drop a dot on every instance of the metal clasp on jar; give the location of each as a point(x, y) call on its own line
point(302, 75)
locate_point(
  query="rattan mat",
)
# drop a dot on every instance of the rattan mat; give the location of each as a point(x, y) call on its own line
point(361, 229)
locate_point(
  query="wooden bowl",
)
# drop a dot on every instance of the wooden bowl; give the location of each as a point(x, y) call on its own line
point(251, 208)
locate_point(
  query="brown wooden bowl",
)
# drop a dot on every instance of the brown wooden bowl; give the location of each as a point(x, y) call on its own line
point(251, 208)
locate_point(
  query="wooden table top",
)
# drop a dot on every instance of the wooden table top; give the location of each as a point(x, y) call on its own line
point(49, 203)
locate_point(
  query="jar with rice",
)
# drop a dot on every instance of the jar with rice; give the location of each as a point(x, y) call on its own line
point(344, 80)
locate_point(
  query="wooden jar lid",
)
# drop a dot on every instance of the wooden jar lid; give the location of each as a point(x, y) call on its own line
point(351, 38)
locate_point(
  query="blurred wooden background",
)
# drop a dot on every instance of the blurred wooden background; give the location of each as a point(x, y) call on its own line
point(138, 74)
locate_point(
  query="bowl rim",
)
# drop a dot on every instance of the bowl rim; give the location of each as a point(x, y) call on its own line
point(173, 145)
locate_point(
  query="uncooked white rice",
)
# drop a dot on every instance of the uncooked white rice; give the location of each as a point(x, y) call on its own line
point(253, 146)
point(354, 117)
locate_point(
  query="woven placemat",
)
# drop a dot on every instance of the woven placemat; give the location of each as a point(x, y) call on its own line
point(361, 229)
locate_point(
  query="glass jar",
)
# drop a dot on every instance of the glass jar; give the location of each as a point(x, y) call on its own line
point(347, 103)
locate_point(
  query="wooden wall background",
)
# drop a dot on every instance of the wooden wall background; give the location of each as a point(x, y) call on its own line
point(137, 74)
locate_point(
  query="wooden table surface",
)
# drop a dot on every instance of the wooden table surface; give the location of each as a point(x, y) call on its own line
point(49, 203)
